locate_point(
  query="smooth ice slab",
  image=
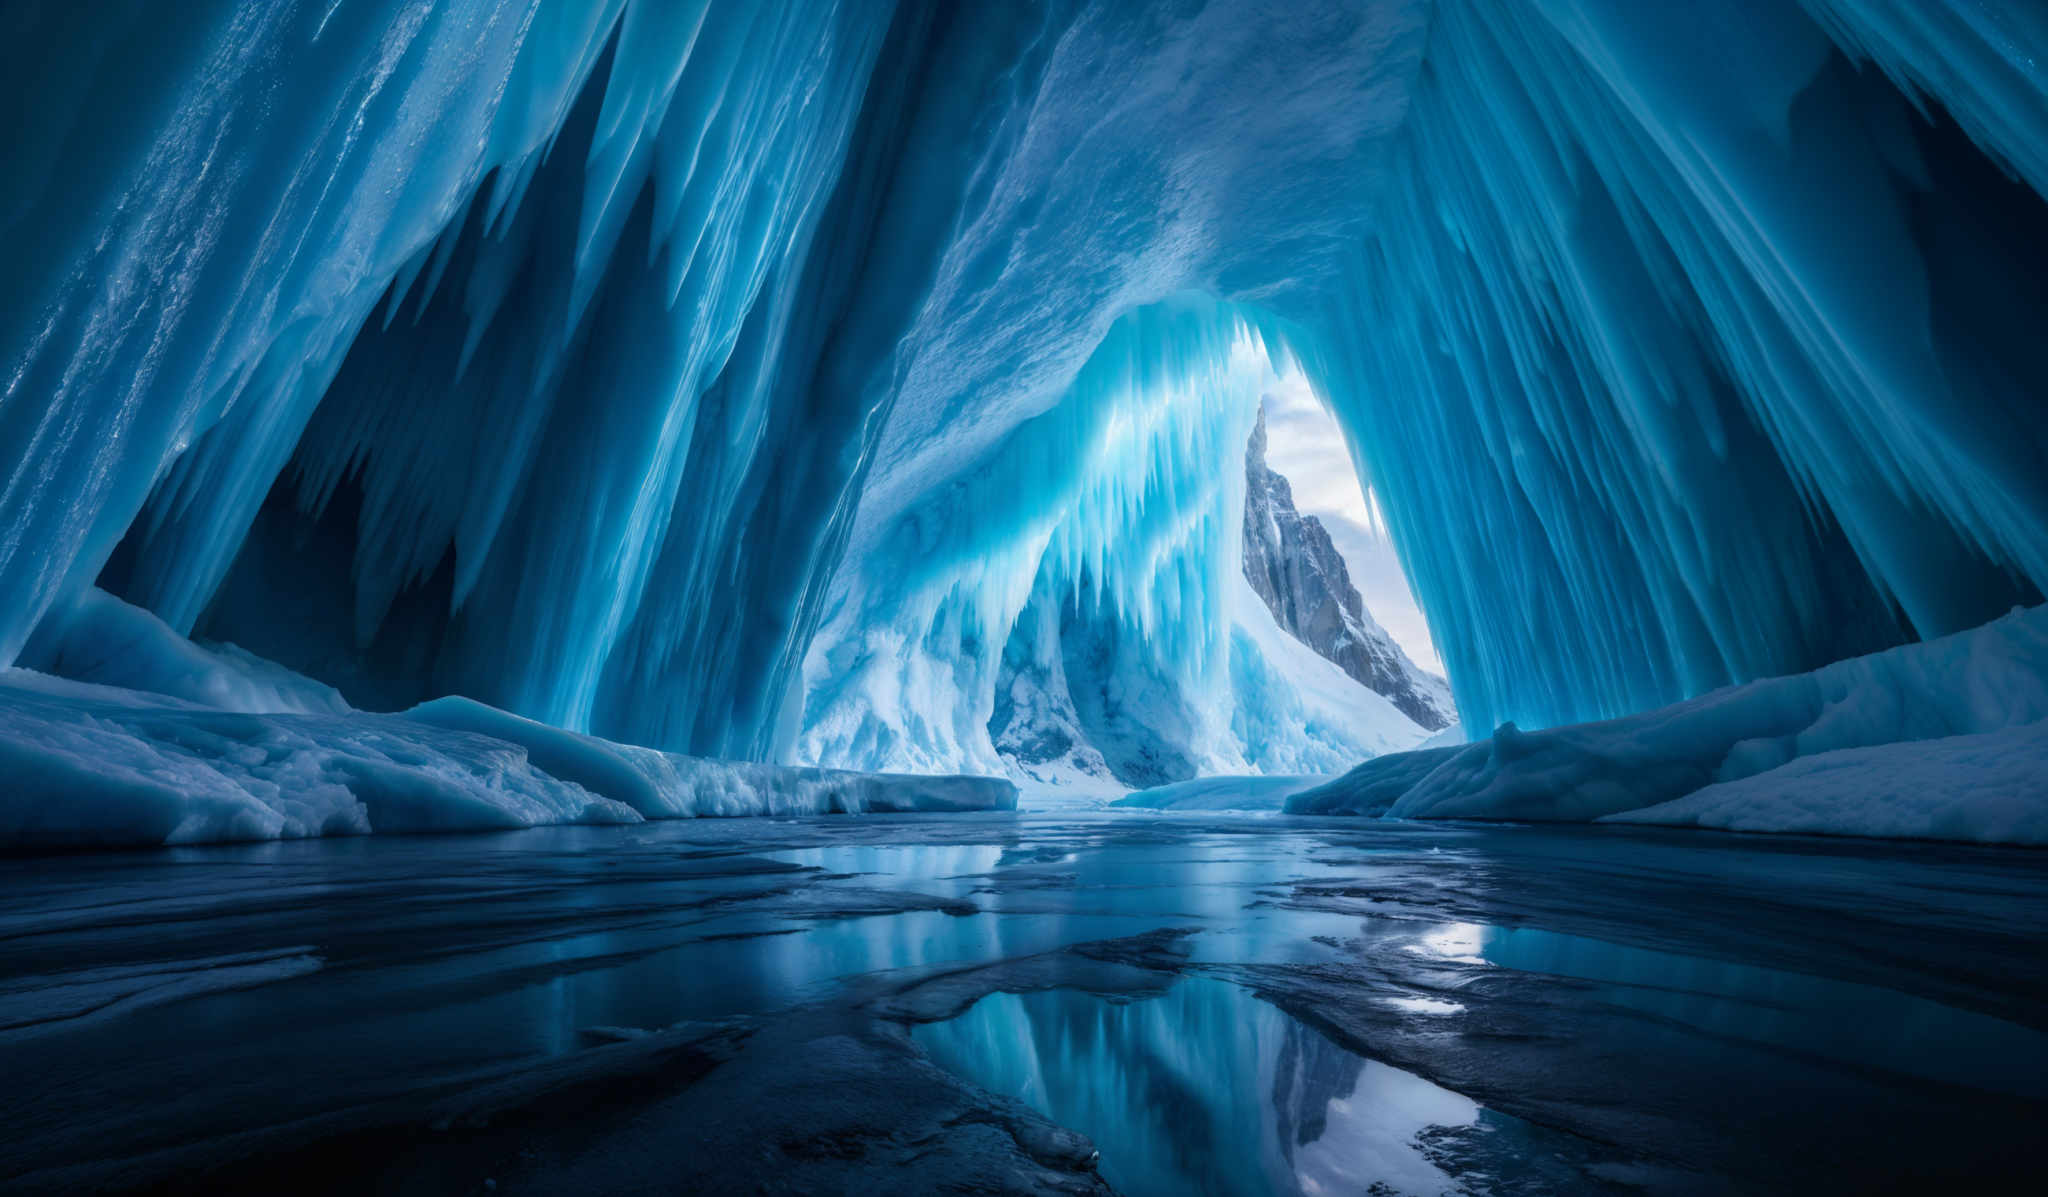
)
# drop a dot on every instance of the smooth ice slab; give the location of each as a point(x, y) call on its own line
point(1221, 793)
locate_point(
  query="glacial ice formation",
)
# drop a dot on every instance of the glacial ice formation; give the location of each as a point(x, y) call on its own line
point(90, 766)
point(151, 739)
point(1945, 739)
point(785, 382)
point(97, 639)
point(97, 766)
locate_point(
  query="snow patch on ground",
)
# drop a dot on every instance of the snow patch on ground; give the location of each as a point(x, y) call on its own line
point(1991, 787)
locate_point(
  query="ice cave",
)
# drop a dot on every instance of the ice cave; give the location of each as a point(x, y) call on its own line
point(1287, 597)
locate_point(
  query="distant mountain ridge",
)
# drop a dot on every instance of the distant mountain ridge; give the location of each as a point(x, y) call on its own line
point(1291, 562)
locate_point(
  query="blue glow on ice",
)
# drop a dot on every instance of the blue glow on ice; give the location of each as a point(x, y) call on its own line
point(735, 378)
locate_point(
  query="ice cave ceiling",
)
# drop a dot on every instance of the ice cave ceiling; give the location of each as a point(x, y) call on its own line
point(774, 379)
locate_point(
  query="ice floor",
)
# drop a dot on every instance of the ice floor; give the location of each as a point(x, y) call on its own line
point(1213, 1003)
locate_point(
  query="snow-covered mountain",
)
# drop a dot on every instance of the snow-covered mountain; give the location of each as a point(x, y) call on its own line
point(1290, 561)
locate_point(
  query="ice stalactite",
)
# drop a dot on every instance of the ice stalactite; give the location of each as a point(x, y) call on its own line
point(729, 377)
point(1107, 595)
point(1678, 318)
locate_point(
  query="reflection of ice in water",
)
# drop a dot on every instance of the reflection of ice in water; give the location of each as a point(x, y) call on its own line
point(1370, 1136)
point(1204, 1090)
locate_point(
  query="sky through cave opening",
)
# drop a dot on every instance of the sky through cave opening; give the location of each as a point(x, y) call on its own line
point(1306, 445)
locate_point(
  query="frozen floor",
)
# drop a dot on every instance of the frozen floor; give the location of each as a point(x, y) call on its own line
point(1230, 1003)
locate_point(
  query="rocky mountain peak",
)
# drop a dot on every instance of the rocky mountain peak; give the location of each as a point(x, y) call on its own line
point(1291, 561)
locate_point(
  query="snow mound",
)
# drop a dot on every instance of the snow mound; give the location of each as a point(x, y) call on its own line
point(1373, 786)
point(91, 765)
point(1941, 740)
point(1991, 788)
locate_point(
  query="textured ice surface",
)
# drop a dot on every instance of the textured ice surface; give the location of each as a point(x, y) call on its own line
point(90, 765)
point(666, 785)
point(1939, 740)
point(729, 378)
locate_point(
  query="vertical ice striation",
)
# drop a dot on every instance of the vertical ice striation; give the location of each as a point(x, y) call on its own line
point(1108, 632)
point(502, 286)
point(1679, 318)
point(734, 378)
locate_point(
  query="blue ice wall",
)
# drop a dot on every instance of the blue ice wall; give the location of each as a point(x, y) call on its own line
point(1683, 315)
point(1682, 347)
point(519, 281)
point(1119, 512)
point(643, 367)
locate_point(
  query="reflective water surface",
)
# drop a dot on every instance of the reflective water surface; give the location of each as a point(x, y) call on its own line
point(1358, 1004)
point(1206, 1090)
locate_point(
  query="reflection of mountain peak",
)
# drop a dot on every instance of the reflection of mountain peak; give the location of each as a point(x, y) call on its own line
point(1291, 561)
point(1309, 1073)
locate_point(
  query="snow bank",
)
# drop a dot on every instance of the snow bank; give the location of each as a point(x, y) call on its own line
point(95, 765)
point(1991, 788)
point(92, 765)
point(1940, 740)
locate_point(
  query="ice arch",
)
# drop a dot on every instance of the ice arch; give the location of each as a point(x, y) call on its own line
point(1082, 581)
point(590, 358)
